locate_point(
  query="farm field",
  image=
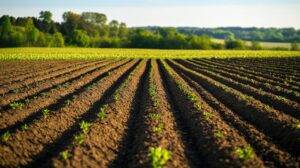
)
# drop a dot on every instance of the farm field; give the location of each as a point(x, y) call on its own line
point(130, 112)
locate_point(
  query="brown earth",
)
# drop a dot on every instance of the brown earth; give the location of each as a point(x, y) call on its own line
point(204, 112)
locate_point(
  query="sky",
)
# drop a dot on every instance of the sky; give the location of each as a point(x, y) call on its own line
point(195, 13)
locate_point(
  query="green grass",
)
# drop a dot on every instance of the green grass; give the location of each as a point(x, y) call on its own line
point(94, 53)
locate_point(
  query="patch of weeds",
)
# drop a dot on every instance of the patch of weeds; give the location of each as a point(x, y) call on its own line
point(24, 127)
point(65, 155)
point(85, 126)
point(159, 157)
point(245, 153)
point(79, 139)
point(46, 113)
point(218, 135)
point(102, 114)
point(16, 105)
point(5, 136)
point(158, 129)
point(154, 116)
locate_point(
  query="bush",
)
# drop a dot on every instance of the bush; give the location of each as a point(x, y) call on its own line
point(235, 44)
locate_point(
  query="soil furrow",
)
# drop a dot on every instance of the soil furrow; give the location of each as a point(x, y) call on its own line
point(279, 103)
point(99, 148)
point(242, 78)
point(218, 143)
point(44, 87)
point(32, 82)
point(47, 136)
point(56, 100)
point(279, 126)
point(271, 154)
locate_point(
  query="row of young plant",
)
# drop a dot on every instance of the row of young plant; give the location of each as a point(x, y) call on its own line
point(53, 96)
point(35, 71)
point(242, 78)
point(22, 70)
point(284, 129)
point(282, 74)
point(64, 118)
point(270, 81)
point(30, 82)
point(212, 132)
point(46, 85)
point(275, 101)
point(268, 151)
point(103, 116)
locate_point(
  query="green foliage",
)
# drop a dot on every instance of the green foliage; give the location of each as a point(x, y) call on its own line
point(159, 157)
point(16, 105)
point(65, 155)
point(159, 128)
point(207, 115)
point(256, 46)
point(244, 153)
point(154, 116)
point(58, 40)
point(85, 127)
point(218, 134)
point(102, 114)
point(46, 16)
point(45, 113)
point(5, 136)
point(235, 44)
point(295, 46)
point(24, 127)
point(81, 38)
point(79, 139)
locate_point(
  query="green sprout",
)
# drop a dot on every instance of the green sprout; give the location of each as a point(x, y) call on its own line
point(79, 139)
point(102, 114)
point(154, 116)
point(159, 157)
point(158, 129)
point(207, 115)
point(245, 153)
point(65, 155)
point(45, 113)
point(85, 127)
point(219, 134)
point(16, 105)
point(24, 127)
point(5, 136)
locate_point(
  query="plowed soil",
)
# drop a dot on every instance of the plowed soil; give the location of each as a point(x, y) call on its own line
point(113, 113)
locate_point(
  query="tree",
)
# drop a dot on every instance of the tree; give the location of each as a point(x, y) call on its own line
point(81, 38)
point(46, 16)
point(113, 28)
point(6, 32)
point(32, 33)
point(123, 31)
point(58, 40)
point(94, 18)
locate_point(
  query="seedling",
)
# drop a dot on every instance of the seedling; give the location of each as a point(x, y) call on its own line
point(79, 139)
point(65, 155)
point(85, 127)
point(245, 153)
point(16, 105)
point(46, 113)
point(298, 126)
point(207, 115)
point(219, 134)
point(192, 97)
point(5, 136)
point(24, 127)
point(159, 157)
point(154, 116)
point(158, 129)
point(102, 114)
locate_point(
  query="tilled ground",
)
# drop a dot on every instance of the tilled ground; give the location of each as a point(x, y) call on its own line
point(127, 113)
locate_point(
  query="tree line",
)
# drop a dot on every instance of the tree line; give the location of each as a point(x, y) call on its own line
point(91, 29)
